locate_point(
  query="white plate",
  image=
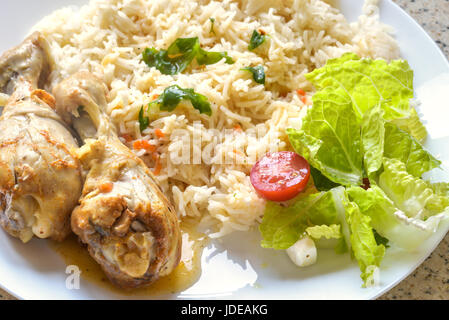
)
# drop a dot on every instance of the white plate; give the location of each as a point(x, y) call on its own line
point(238, 268)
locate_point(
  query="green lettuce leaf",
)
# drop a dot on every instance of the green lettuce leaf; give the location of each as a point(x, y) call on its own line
point(402, 146)
point(440, 200)
point(369, 83)
point(364, 246)
point(373, 136)
point(282, 226)
point(324, 215)
point(360, 237)
point(341, 201)
point(381, 138)
point(381, 240)
point(328, 237)
point(413, 125)
point(320, 182)
point(390, 222)
point(409, 193)
point(440, 188)
point(330, 137)
point(416, 198)
point(324, 231)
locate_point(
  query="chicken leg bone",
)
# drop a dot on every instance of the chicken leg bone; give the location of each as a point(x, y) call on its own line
point(129, 226)
point(40, 176)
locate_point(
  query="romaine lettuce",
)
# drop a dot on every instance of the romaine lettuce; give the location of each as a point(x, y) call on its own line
point(373, 136)
point(364, 246)
point(329, 215)
point(282, 226)
point(330, 137)
point(390, 222)
point(368, 83)
point(324, 231)
point(410, 194)
point(402, 146)
point(413, 125)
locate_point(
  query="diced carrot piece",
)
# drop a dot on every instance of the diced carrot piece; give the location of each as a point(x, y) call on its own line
point(106, 187)
point(157, 166)
point(158, 132)
point(137, 145)
point(237, 127)
point(301, 92)
point(304, 100)
point(144, 144)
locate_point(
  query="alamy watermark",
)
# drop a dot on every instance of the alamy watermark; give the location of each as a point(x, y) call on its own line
point(72, 282)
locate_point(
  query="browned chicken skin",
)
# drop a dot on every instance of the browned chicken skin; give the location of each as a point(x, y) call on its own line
point(40, 178)
point(130, 227)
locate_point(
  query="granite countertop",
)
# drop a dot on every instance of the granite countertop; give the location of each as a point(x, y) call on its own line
point(431, 279)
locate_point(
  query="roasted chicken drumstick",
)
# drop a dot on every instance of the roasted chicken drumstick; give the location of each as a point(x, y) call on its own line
point(40, 178)
point(129, 226)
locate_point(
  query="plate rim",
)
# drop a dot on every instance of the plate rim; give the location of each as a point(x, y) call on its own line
point(418, 262)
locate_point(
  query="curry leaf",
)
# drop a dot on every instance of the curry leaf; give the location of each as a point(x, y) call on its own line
point(180, 54)
point(256, 40)
point(175, 59)
point(173, 95)
point(258, 73)
point(211, 57)
point(143, 121)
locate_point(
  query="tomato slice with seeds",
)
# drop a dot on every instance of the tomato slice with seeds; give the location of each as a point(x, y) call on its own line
point(280, 176)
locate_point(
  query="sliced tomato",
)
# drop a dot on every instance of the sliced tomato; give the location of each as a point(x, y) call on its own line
point(280, 176)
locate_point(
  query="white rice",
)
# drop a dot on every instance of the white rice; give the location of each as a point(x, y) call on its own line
point(108, 37)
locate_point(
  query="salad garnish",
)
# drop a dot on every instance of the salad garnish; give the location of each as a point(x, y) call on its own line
point(362, 139)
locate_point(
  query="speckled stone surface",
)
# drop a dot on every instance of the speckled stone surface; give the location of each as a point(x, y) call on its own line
point(433, 16)
point(431, 279)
